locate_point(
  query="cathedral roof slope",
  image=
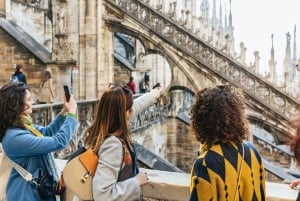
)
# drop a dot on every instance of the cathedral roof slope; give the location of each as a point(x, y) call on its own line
point(26, 40)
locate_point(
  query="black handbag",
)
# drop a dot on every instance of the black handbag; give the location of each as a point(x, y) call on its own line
point(44, 183)
point(44, 186)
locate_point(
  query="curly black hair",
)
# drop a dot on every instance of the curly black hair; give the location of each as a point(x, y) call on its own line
point(218, 115)
point(12, 104)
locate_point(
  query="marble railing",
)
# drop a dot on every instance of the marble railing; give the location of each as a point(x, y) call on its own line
point(174, 186)
point(39, 4)
point(44, 113)
point(260, 93)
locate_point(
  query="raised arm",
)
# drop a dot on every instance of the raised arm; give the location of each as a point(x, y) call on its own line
point(143, 102)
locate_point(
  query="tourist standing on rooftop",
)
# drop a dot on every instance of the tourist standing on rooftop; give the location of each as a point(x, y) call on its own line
point(118, 179)
point(19, 74)
point(131, 84)
point(228, 167)
point(30, 145)
point(46, 88)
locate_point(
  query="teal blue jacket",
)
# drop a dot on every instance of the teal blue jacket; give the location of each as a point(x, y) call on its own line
point(29, 151)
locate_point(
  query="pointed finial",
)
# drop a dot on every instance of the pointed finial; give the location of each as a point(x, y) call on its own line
point(272, 37)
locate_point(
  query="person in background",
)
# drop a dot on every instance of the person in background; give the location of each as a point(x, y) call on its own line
point(146, 77)
point(146, 82)
point(131, 85)
point(118, 179)
point(146, 86)
point(30, 145)
point(142, 86)
point(47, 93)
point(19, 74)
point(227, 167)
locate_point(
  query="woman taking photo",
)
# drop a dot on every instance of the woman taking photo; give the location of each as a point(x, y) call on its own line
point(30, 145)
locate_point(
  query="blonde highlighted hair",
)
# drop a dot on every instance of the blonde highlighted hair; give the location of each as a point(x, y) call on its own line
point(110, 116)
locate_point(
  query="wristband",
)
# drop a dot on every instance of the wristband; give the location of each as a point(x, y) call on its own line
point(63, 113)
point(72, 115)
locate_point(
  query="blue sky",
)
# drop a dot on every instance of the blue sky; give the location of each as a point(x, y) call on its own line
point(255, 20)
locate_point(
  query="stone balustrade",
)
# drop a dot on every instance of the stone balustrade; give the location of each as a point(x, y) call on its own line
point(174, 186)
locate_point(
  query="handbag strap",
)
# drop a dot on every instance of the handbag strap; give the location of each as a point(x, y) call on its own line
point(27, 176)
point(240, 172)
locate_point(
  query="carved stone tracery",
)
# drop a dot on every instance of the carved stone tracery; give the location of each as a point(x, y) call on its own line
point(216, 61)
point(62, 50)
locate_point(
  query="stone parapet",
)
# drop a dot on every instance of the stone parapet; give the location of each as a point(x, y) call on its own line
point(174, 186)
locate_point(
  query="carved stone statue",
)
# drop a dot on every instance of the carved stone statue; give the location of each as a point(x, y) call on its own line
point(256, 61)
point(61, 21)
point(242, 55)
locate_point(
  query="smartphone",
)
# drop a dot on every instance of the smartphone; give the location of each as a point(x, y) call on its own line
point(67, 92)
point(157, 85)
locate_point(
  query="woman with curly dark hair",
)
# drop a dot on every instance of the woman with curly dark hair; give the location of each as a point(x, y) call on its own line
point(227, 168)
point(30, 145)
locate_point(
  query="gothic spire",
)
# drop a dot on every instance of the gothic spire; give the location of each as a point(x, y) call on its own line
point(287, 63)
point(226, 26)
point(214, 14)
point(272, 63)
point(205, 9)
point(230, 29)
point(294, 58)
point(272, 49)
point(230, 16)
point(220, 17)
point(287, 57)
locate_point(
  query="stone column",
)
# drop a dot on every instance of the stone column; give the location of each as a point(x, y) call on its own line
point(73, 17)
point(2, 8)
point(105, 47)
point(82, 49)
point(91, 49)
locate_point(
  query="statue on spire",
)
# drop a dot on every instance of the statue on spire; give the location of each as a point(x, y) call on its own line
point(272, 64)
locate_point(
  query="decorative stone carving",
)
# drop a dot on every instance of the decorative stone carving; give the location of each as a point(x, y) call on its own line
point(256, 61)
point(172, 10)
point(214, 61)
point(242, 56)
point(62, 49)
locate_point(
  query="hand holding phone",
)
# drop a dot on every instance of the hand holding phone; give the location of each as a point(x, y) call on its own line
point(67, 93)
point(157, 85)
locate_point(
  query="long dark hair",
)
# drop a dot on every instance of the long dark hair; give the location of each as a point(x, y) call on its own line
point(46, 76)
point(110, 116)
point(12, 104)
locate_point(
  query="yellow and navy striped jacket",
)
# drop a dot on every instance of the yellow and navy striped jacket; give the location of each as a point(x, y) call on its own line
point(214, 176)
